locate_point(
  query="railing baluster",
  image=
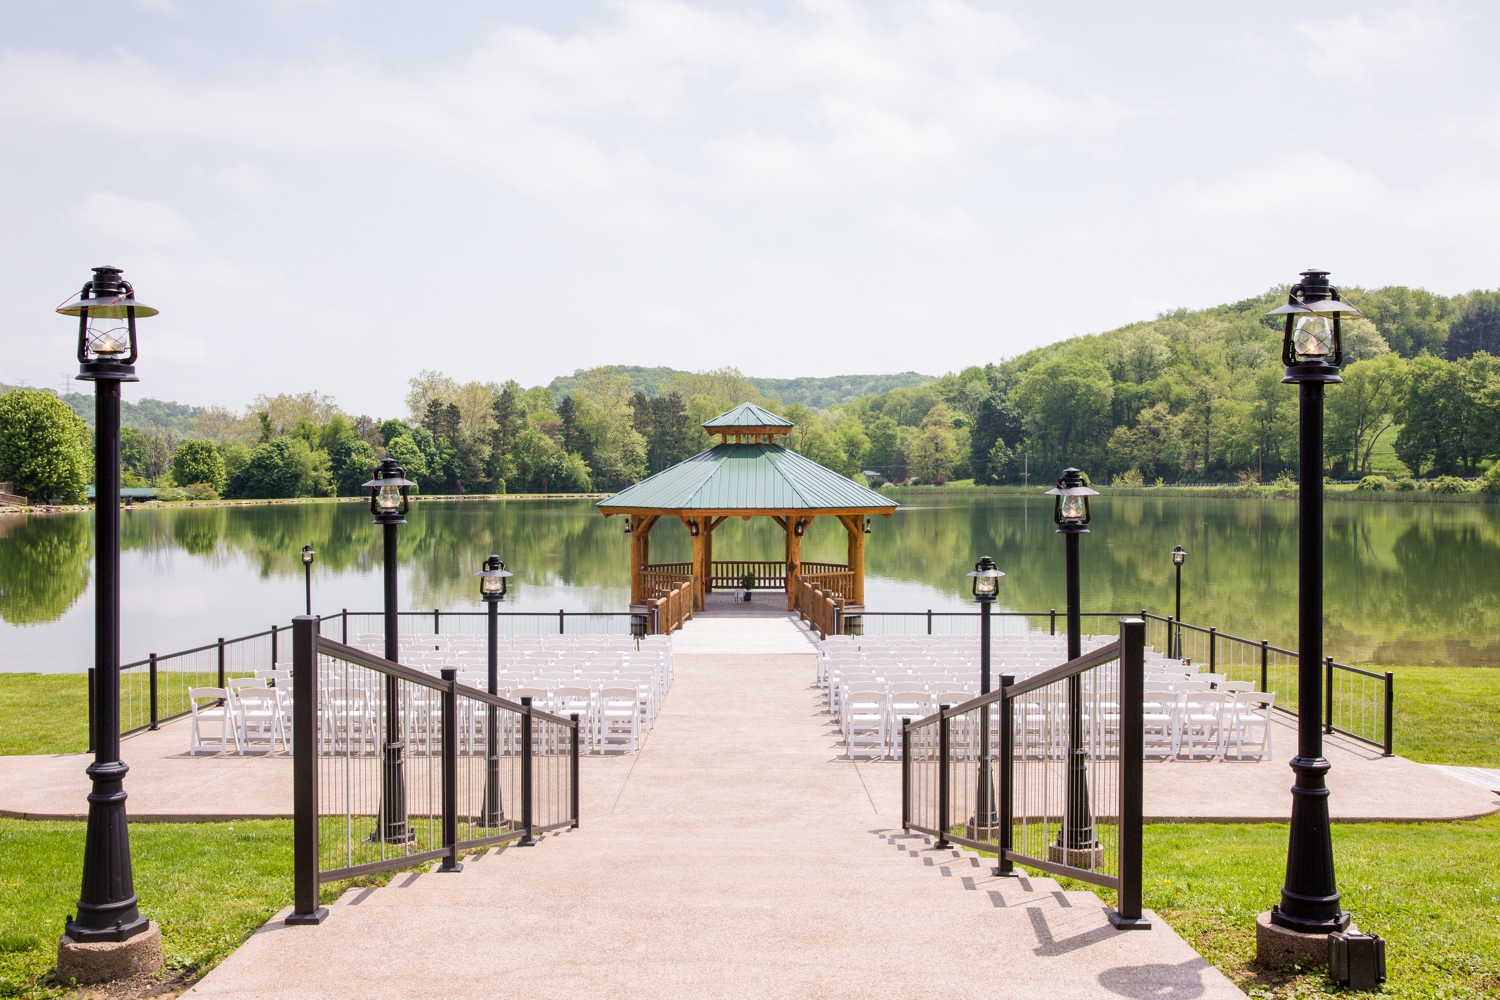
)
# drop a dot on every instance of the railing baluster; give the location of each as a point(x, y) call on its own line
point(943, 783)
point(154, 713)
point(527, 839)
point(1265, 655)
point(273, 647)
point(1213, 648)
point(450, 770)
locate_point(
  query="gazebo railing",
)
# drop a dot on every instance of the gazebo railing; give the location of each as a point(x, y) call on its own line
point(671, 609)
point(769, 574)
point(659, 582)
point(818, 607)
point(822, 567)
point(839, 582)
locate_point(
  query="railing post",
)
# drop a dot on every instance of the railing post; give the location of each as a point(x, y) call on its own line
point(437, 622)
point(905, 773)
point(942, 840)
point(1213, 649)
point(561, 624)
point(1174, 640)
point(1328, 694)
point(344, 615)
point(929, 621)
point(221, 663)
point(1007, 777)
point(526, 839)
point(573, 777)
point(1265, 656)
point(154, 714)
point(305, 747)
point(91, 708)
point(450, 770)
point(1127, 915)
point(1390, 703)
point(1052, 615)
point(273, 647)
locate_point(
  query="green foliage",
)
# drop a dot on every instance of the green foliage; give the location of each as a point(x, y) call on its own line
point(1491, 481)
point(1066, 402)
point(158, 416)
point(199, 462)
point(1450, 414)
point(44, 447)
point(284, 467)
point(1406, 484)
point(145, 453)
point(1451, 484)
point(818, 393)
point(352, 462)
point(1476, 328)
point(1374, 483)
point(1412, 320)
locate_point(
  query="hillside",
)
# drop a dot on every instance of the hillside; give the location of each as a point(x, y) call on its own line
point(818, 393)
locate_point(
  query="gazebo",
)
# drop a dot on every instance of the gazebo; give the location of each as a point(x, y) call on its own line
point(749, 473)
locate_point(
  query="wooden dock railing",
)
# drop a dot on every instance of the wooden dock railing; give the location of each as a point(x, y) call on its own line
point(673, 607)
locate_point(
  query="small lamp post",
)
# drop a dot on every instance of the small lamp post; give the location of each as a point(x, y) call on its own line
point(986, 583)
point(1312, 350)
point(107, 907)
point(492, 587)
point(389, 502)
point(1076, 843)
point(1179, 555)
point(307, 561)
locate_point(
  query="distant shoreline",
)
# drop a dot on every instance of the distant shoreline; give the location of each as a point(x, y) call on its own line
point(1228, 491)
point(162, 504)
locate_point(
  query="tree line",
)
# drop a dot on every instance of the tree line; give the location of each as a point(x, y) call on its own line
point(1190, 396)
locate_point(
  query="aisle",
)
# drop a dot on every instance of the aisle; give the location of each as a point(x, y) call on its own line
point(735, 856)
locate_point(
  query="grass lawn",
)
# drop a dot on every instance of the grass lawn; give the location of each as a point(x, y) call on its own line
point(44, 713)
point(1431, 890)
point(1448, 715)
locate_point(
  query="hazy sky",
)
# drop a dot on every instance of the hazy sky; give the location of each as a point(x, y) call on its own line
point(333, 195)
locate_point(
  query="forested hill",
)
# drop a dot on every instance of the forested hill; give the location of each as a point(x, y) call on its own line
point(819, 393)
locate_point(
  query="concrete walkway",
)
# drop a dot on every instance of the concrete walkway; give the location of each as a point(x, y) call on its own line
point(734, 856)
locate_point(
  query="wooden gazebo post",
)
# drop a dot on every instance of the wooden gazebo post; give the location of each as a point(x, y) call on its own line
point(793, 558)
point(855, 526)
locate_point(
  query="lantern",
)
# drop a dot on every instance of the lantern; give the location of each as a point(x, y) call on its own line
point(1312, 348)
point(986, 579)
point(389, 499)
point(1072, 504)
point(492, 579)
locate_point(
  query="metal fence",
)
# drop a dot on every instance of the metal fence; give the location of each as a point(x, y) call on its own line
point(878, 623)
point(1046, 772)
point(1357, 703)
point(406, 767)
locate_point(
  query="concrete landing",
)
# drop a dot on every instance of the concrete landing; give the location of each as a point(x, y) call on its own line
point(739, 858)
point(761, 625)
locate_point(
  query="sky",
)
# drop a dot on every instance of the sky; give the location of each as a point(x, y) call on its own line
point(332, 196)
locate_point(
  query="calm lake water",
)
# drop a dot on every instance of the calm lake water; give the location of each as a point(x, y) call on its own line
point(1406, 582)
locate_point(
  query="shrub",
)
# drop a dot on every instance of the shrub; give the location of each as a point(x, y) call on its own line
point(1491, 481)
point(44, 447)
point(1285, 485)
point(1451, 484)
point(1373, 484)
point(1129, 480)
point(1406, 485)
point(198, 462)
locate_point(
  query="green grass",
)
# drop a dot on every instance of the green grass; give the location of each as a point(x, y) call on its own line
point(43, 713)
point(1447, 715)
point(1431, 890)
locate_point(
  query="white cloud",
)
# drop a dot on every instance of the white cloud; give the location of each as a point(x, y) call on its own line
point(1302, 187)
point(117, 221)
point(1356, 51)
point(246, 180)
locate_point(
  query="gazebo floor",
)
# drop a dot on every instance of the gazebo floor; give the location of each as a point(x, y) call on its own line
point(762, 604)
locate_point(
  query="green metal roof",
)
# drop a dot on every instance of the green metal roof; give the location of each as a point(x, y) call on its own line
point(748, 477)
point(747, 415)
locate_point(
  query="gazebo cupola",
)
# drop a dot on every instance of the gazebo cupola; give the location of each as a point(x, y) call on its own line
point(748, 473)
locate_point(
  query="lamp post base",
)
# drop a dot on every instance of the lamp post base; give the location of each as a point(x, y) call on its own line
point(1277, 947)
point(104, 961)
point(1089, 858)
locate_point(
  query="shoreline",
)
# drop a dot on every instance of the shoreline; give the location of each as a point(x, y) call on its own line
point(84, 508)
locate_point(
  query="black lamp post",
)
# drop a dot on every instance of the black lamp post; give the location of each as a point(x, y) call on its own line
point(1312, 350)
point(390, 502)
point(307, 561)
point(107, 909)
point(986, 582)
point(1076, 844)
point(1179, 554)
point(492, 589)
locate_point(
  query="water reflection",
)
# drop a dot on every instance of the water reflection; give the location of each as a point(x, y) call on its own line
point(1407, 583)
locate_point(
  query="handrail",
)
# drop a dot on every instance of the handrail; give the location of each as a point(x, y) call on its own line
point(1097, 756)
point(335, 723)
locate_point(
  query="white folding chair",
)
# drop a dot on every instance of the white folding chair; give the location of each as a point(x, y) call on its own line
point(219, 710)
point(1246, 717)
point(619, 717)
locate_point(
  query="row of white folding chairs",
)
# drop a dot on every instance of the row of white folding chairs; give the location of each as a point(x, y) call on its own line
point(1208, 722)
point(250, 713)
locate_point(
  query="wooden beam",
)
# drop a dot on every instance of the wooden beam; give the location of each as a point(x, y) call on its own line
point(779, 520)
point(718, 521)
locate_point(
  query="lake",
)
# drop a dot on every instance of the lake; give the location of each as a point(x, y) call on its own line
point(1406, 582)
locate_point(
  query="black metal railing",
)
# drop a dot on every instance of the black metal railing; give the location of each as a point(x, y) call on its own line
point(878, 623)
point(394, 767)
point(1357, 703)
point(1045, 772)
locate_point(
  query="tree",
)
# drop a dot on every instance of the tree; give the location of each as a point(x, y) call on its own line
point(352, 462)
point(1153, 446)
point(931, 452)
point(144, 454)
point(996, 419)
point(44, 447)
point(1477, 328)
point(285, 467)
point(1359, 411)
point(281, 413)
point(407, 455)
point(198, 462)
point(1065, 407)
point(884, 436)
point(1411, 320)
point(1449, 412)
